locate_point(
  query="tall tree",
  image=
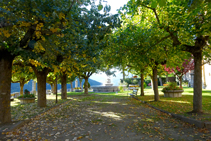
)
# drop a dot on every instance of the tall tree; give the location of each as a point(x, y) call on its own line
point(23, 23)
point(187, 25)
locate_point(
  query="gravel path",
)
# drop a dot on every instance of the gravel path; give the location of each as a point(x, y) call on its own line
point(105, 118)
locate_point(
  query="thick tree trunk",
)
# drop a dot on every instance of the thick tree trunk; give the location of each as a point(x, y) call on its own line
point(155, 84)
point(64, 86)
point(21, 86)
point(86, 85)
point(41, 86)
point(197, 97)
point(142, 84)
point(5, 84)
point(71, 83)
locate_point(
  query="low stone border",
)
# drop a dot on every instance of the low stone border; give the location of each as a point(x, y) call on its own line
point(17, 124)
point(197, 123)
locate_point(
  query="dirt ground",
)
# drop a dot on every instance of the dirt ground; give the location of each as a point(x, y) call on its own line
point(106, 118)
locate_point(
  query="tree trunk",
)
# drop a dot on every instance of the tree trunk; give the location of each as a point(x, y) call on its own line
point(123, 72)
point(180, 81)
point(80, 80)
point(41, 86)
point(71, 83)
point(160, 79)
point(5, 85)
point(86, 85)
point(54, 86)
point(21, 86)
point(56, 89)
point(64, 86)
point(142, 84)
point(197, 97)
point(167, 78)
point(152, 82)
point(155, 84)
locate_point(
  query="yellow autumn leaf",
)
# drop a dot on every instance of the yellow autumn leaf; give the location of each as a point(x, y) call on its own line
point(94, 60)
point(53, 29)
point(61, 15)
point(6, 33)
point(38, 33)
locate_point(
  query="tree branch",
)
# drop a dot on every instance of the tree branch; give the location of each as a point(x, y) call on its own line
point(156, 15)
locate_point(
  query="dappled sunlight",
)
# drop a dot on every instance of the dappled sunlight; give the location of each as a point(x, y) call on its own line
point(112, 115)
point(148, 119)
point(106, 102)
point(186, 102)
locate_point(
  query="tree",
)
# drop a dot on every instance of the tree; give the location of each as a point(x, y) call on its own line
point(22, 75)
point(179, 71)
point(51, 79)
point(71, 77)
point(188, 27)
point(21, 27)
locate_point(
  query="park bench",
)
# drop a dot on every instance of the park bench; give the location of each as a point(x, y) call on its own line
point(134, 93)
point(14, 95)
point(48, 92)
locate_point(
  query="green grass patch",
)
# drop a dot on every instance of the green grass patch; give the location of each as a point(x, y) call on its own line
point(180, 105)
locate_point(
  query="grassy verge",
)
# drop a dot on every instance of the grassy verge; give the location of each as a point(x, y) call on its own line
point(26, 111)
point(180, 105)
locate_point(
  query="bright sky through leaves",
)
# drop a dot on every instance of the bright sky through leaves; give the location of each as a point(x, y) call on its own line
point(101, 77)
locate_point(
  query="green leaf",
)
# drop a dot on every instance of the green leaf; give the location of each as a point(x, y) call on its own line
point(162, 3)
point(100, 7)
point(154, 4)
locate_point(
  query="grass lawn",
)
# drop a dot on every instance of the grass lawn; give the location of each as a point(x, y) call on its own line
point(180, 105)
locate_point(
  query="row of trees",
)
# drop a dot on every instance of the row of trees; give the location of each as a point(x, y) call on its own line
point(163, 32)
point(62, 37)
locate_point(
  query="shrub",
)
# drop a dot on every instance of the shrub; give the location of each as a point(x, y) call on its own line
point(171, 86)
point(27, 94)
point(121, 88)
point(145, 85)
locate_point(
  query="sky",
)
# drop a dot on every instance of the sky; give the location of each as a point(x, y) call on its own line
point(115, 4)
point(101, 77)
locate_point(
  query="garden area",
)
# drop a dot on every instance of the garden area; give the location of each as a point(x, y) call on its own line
point(164, 44)
point(111, 116)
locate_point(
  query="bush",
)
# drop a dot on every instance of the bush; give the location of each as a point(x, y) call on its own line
point(27, 94)
point(121, 88)
point(88, 85)
point(132, 81)
point(145, 85)
point(171, 86)
point(135, 81)
point(147, 82)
